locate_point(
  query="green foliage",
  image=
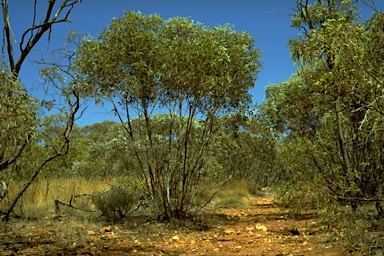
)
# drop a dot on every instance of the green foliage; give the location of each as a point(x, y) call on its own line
point(100, 150)
point(246, 150)
point(328, 114)
point(301, 197)
point(352, 233)
point(116, 202)
point(190, 73)
point(324, 23)
point(161, 61)
point(18, 112)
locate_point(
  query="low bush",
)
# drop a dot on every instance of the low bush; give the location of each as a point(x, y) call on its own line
point(115, 203)
point(299, 197)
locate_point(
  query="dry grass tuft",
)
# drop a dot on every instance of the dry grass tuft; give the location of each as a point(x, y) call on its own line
point(235, 195)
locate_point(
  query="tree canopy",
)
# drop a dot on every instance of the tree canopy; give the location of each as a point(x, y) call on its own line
point(190, 72)
point(171, 60)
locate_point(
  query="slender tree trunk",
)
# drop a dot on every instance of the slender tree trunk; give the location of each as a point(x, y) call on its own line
point(342, 143)
point(379, 207)
point(347, 167)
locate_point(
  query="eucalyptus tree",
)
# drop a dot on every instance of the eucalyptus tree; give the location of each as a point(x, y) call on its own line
point(337, 72)
point(191, 73)
point(308, 148)
point(19, 110)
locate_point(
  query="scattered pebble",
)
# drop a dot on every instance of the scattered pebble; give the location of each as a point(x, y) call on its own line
point(91, 233)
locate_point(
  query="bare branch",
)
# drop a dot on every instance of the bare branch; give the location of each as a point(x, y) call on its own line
point(71, 204)
point(371, 4)
point(41, 29)
point(7, 30)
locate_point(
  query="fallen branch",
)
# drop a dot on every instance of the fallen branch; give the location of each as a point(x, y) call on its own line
point(71, 204)
point(356, 199)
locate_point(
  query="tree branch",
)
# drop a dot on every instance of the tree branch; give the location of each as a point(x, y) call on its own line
point(42, 28)
point(66, 6)
point(16, 155)
point(7, 30)
point(74, 109)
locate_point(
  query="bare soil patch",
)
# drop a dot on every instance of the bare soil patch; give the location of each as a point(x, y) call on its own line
point(261, 229)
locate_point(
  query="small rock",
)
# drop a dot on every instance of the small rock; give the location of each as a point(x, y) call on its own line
point(261, 227)
point(249, 228)
point(91, 233)
point(175, 238)
point(229, 231)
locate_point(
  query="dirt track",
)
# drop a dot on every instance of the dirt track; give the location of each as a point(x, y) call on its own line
point(259, 230)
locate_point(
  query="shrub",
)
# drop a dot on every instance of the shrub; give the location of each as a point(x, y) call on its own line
point(299, 197)
point(115, 203)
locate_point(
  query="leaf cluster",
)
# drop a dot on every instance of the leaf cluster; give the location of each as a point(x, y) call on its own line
point(145, 58)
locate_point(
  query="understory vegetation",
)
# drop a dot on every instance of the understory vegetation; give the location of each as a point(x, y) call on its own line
point(189, 137)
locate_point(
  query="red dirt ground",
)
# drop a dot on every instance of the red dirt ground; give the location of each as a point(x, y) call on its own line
point(259, 230)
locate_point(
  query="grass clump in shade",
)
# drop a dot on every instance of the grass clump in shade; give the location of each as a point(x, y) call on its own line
point(234, 195)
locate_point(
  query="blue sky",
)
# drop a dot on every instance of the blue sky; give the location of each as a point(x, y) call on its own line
point(261, 18)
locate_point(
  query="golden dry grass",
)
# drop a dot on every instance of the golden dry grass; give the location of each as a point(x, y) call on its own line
point(38, 199)
point(235, 194)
